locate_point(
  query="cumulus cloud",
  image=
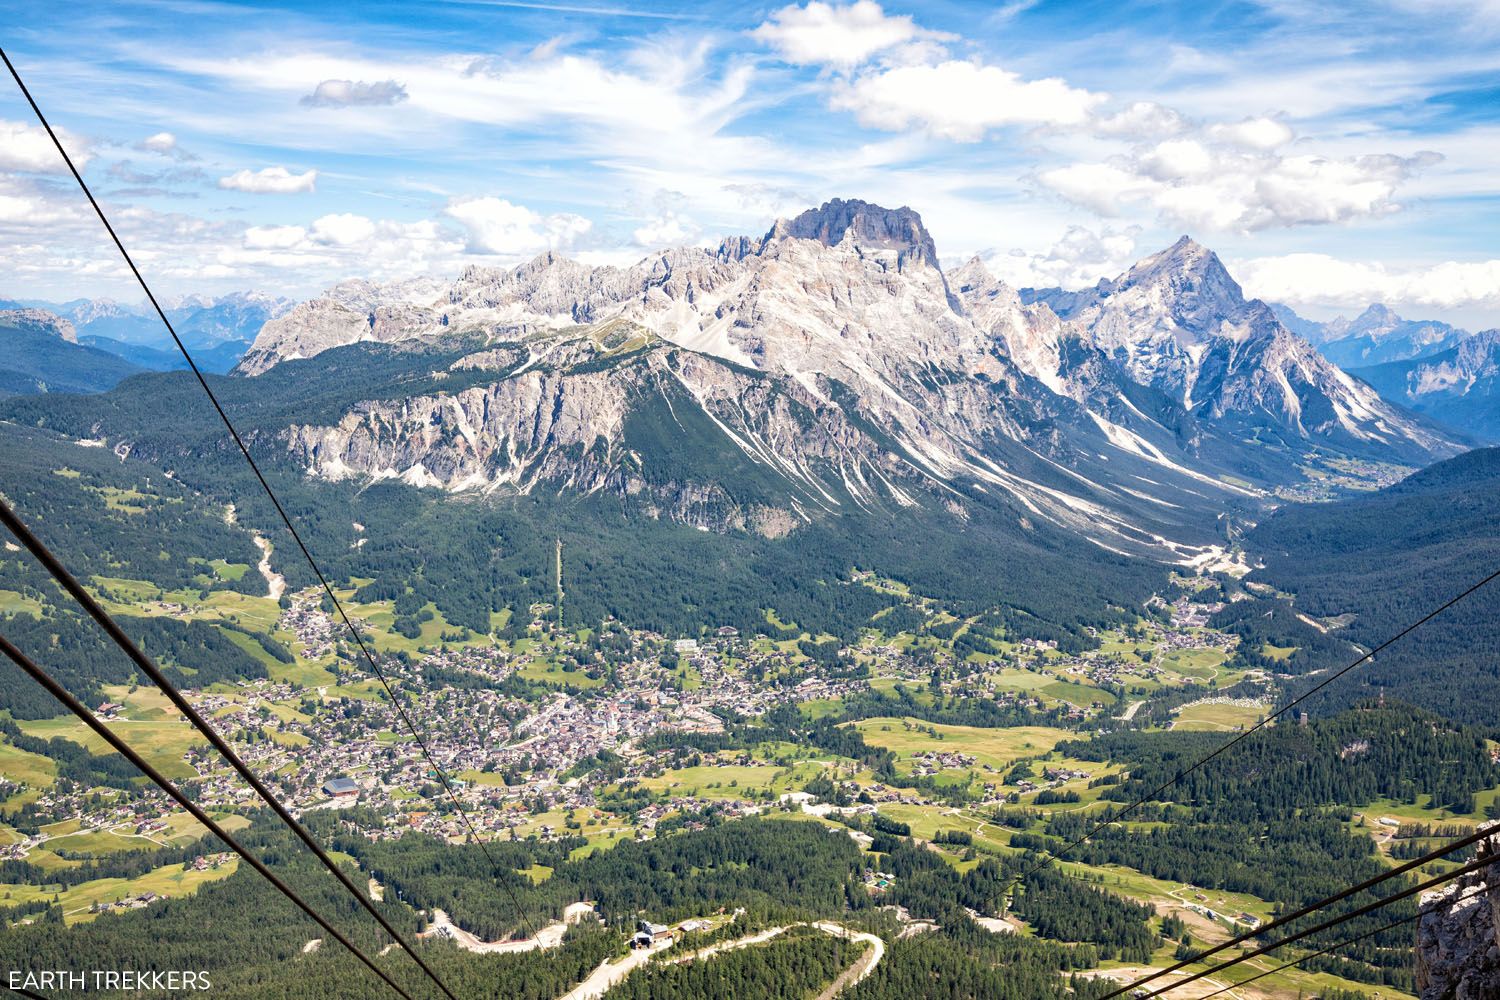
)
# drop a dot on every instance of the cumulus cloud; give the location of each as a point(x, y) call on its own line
point(355, 93)
point(495, 225)
point(1142, 120)
point(274, 237)
point(271, 180)
point(164, 144)
point(669, 229)
point(29, 148)
point(842, 35)
point(1236, 177)
point(1319, 279)
point(1079, 259)
point(342, 230)
point(345, 244)
point(962, 101)
point(161, 142)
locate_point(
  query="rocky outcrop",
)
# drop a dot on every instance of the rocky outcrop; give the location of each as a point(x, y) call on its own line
point(1458, 944)
point(39, 321)
point(853, 292)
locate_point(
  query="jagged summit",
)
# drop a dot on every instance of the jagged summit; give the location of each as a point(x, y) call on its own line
point(1377, 315)
point(848, 309)
point(872, 227)
point(1192, 275)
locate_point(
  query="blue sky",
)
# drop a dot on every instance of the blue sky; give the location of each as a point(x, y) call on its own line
point(1334, 154)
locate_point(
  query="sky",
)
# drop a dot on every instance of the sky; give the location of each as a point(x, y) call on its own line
point(1334, 154)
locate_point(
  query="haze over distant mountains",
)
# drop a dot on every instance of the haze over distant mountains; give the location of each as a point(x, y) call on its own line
point(217, 329)
point(1436, 369)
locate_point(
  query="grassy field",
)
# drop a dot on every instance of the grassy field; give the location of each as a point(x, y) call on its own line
point(76, 901)
point(998, 748)
point(1201, 664)
point(26, 768)
point(733, 781)
point(381, 615)
point(162, 743)
point(14, 603)
point(1218, 717)
point(821, 708)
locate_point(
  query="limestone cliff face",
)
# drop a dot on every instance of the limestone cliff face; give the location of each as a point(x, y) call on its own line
point(1458, 944)
point(854, 292)
point(833, 365)
point(577, 420)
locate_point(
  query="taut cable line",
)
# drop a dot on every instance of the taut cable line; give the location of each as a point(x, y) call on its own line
point(1462, 897)
point(148, 666)
point(442, 774)
point(75, 706)
point(1305, 932)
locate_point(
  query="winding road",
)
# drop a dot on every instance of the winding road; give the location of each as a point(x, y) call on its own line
point(610, 974)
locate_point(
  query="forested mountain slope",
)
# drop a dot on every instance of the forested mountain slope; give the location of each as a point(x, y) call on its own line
point(1388, 559)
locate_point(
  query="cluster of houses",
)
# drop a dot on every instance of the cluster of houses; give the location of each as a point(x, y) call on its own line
point(510, 758)
point(934, 761)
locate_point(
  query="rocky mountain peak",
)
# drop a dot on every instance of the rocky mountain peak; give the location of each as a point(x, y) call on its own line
point(871, 227)
point(1377, 316)
point(1189, 271)
point(39, 321)
point(974, 277)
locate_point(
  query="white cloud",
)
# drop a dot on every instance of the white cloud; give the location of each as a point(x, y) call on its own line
point(669, 229)
point(1079, 259)
point(29, 148)
point(161, 142)
point(841, 35)
point(960, 100)
point(355, 93)
point(274, 237)
point(1142, 120)
point(1234, 177)
point(342, 230)
point(1319, 279)
point(330, 247)
point(497, 226)
point(271, 180)
point(1254, 133)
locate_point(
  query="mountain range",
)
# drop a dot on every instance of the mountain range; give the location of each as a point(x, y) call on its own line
point(217, 329)
point(836, 356)
point(717, 431)
point(1376, 336)
point(42, 354)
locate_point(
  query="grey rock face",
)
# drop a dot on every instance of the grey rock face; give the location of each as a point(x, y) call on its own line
point(39, 321)
point(1458, 944)
point(835, 354)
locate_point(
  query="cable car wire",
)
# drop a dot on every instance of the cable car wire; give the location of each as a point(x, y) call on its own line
point(1463, 897)
point(150, 669)
point(442, 775)
point(1299, 935)
point(75, 706)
